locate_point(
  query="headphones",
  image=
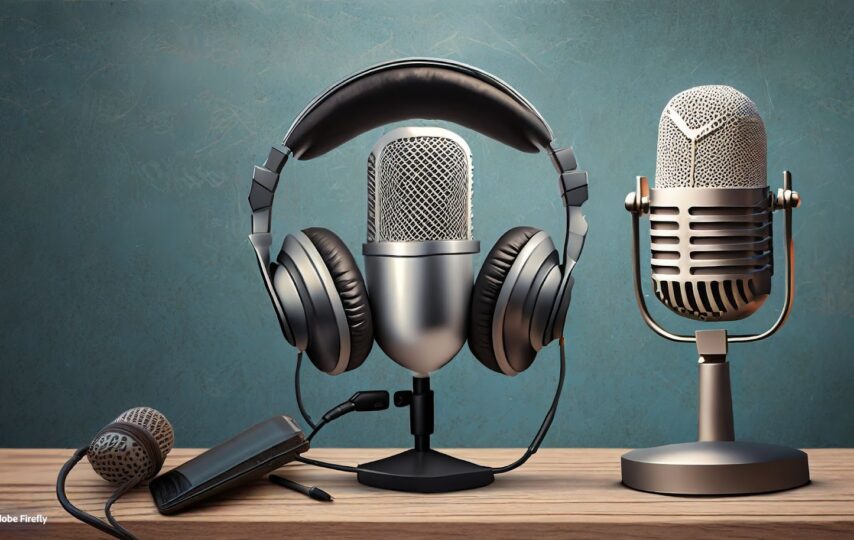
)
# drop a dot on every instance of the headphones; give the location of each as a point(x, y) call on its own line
point(522, 292)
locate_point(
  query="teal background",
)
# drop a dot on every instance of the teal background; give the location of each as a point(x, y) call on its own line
point(128, 132)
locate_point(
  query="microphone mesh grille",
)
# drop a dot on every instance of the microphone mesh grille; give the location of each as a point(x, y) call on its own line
point(730, 141)
point(372, 192)
point(420, 190)
point(154, 422)
point(118, 458)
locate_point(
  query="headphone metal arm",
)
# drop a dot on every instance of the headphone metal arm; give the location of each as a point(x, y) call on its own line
point(637, 203)
point(265, 179)
point(573, 190)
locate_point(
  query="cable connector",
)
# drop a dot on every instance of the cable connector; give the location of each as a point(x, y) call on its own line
point(369, 400)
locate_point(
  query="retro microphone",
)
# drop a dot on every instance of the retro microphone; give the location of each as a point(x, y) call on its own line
point(712, 260)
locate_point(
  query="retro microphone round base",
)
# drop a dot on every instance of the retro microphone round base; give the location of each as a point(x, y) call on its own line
point(712, 261)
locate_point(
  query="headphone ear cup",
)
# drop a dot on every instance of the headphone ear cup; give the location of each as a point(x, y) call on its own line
point(350, 290)
point(512, 300)
point(487, 288)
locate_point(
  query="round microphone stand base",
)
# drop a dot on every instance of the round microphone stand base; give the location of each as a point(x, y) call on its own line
point(424, 471)
point(715, 468)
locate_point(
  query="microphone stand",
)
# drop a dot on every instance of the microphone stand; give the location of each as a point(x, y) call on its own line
point(716, 464)
point(421, 468)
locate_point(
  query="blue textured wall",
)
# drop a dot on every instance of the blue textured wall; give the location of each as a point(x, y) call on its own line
point(127, 137)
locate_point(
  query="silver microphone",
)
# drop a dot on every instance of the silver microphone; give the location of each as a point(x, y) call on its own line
point(710, 211)
point(710, 236)
point(419, 251)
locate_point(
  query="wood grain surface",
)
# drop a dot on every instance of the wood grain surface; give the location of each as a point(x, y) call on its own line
point(560, 492)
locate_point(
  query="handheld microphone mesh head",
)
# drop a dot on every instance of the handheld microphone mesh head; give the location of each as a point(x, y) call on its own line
point(710, 214)
point(711, 136)
point(132, 447)
point(419, 186)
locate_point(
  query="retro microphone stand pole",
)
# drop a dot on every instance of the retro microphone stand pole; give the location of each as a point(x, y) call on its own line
point(716, 464)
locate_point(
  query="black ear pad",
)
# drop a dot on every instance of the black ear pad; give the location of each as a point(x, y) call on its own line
point(487, 287)
point(351, 289)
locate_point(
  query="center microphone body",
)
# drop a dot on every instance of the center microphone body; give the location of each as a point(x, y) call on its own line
point(420, 252)
point(710, 214)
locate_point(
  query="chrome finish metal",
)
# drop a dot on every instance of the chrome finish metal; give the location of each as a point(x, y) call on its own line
point(714, 422)
point(420, 249)
point(711, 250)
point(788, 200)
point(716, 464)
point(715, 468)
point(420, 303)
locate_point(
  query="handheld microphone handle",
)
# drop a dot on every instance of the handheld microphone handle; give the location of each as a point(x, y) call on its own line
point(637, 203)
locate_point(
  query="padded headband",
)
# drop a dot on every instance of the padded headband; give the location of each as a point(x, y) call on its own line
point(417, 88)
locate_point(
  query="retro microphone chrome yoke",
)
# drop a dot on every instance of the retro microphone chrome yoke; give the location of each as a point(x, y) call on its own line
point(420, 303)
point(711, 242)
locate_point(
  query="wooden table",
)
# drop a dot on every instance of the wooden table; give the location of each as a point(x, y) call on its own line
point(558, 493)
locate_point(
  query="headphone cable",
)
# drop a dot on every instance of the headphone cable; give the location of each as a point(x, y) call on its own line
point(547, 421)
point(121, 490)
point(298, 392)
point(532, 448)
point(77, 513)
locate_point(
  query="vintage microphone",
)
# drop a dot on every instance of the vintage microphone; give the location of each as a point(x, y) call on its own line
point(712, 260)
point(128, 451)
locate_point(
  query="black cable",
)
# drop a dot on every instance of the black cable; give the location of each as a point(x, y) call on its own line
point(325, 465)
point(85, 517)
point(547, 421)
point(316, 429)
point(121, 490)
point(532, 449)
point(302, 411)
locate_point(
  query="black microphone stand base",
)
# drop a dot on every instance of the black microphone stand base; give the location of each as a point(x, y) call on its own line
point(715, 468)
point(424, 471)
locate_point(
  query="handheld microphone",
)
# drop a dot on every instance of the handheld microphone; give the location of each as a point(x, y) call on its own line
point(711, 242)
point(419, 254)
point(128, 451)
point(710, 214)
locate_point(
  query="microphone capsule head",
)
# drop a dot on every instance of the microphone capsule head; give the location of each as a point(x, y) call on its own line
point(711, 137)
point(132, 447)
point(419, 186)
